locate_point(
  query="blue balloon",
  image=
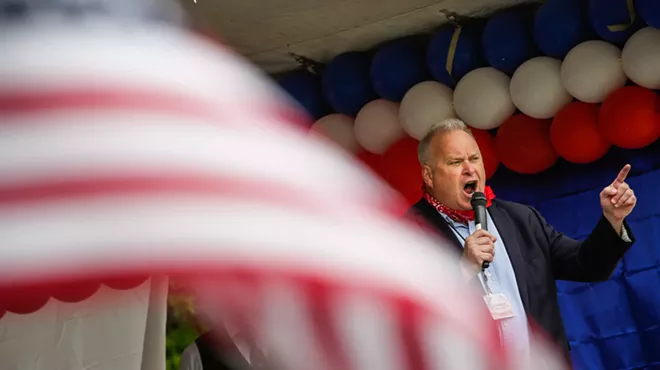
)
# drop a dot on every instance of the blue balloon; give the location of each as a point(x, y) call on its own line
point(611, 19)
point(305, 88)
point(560, 25)
point(396, 67)
point(649, 10)
point(508, 39)
point(346, 82)
point(465, 57)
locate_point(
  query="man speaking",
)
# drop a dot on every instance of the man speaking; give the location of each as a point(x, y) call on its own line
point(523, 254)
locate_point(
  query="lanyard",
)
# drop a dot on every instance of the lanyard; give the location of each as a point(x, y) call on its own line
point(483, 276)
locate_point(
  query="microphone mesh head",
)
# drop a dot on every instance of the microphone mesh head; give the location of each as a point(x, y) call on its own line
point(478, 199)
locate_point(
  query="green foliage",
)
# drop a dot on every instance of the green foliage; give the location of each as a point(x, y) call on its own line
point(179, 336)
point(181, 328)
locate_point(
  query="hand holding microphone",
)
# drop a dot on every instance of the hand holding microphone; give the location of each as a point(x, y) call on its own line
point(479, 249)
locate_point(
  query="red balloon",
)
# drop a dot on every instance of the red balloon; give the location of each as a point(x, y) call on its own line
point(630, 117)
point(373, 161)
point(523, 144)
point(486, 143)
point(401, 169)
point(574, 133)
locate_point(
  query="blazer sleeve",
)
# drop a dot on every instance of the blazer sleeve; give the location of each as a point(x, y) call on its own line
point(592, 260)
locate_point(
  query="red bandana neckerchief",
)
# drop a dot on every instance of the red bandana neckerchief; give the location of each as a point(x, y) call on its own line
point(463, 217)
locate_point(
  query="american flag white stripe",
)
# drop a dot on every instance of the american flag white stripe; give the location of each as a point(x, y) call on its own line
point(155, 57)
point(134, 225)
point(63, 146)
point(448, 347)
point(322, 242)
point(288, 326)
point(93, 144)
point(368, 327)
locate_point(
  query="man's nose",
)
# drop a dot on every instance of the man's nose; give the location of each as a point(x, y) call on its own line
point(468, 168)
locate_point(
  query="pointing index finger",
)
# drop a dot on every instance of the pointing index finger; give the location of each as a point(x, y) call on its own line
point(621, 177)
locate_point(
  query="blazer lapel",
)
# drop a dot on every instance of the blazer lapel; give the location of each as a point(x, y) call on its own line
point(433, 217)
point(509, 235)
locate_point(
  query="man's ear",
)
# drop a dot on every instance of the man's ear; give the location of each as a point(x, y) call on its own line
point(427, 176)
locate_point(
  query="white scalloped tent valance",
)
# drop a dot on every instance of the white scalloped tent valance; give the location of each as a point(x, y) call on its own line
point(111, 330)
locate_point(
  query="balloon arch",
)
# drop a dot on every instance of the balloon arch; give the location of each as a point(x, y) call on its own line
point(547, 90)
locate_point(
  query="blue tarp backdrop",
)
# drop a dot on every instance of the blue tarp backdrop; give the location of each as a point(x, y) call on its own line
point(614, 324)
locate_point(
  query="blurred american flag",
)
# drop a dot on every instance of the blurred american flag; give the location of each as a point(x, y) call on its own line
point(134, 148)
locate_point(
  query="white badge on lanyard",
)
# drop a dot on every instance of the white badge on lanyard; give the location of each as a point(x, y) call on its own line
point(499, 306)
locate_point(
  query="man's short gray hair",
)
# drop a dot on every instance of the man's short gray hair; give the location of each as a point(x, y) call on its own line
point(445, 126)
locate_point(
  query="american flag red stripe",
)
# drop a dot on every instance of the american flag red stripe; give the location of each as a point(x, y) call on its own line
point(276, 233)
point(128, 98)
point(411, 341)
point(406, 313)
point(159, 186)
point(71, 151)
point(319, 301)
point(32, 102)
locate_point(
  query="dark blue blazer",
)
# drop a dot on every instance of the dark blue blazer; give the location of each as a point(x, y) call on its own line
point(540, 255)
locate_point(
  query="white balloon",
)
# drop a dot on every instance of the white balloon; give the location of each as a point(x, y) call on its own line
point(423, 105)
point(339, 129)
point(377, 125)
point(482, 98)
point(641, 58)
point(592, 70)
point(536, 88)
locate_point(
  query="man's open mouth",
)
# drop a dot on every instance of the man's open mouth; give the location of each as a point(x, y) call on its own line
point(470, 187)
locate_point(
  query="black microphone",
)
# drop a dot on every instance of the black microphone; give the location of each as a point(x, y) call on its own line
point(478, 203)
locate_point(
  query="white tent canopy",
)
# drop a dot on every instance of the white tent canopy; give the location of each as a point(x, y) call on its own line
point(266, 31)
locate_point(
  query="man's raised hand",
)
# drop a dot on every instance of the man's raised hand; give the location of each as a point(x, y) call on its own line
point(618, 199)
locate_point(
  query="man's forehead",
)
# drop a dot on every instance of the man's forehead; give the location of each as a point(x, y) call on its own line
point(456, 143)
